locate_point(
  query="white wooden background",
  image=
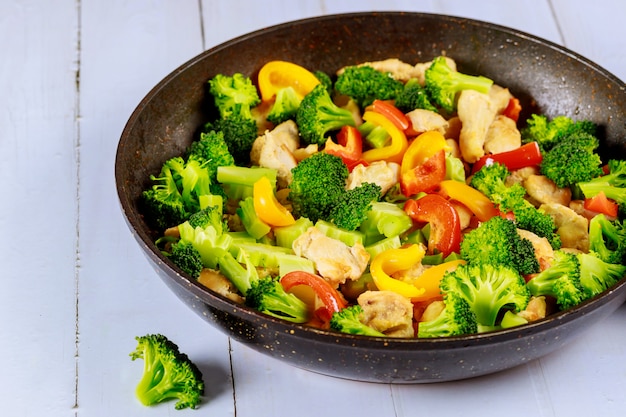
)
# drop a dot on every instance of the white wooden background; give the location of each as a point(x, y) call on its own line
point(75, 288)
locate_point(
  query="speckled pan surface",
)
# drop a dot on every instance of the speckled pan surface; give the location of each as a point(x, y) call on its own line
point(547, 79)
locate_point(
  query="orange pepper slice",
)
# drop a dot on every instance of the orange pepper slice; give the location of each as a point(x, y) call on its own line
point(276, 75)
point(267, 207)
point(392, 152)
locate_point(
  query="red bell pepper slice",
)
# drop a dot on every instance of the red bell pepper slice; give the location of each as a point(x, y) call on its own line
point(425, 177)
point(445, 225)
point(349, 146)
point(392, 113)
point(599, 203)
point(513, 109)
point(329, 296)
point(525, 156)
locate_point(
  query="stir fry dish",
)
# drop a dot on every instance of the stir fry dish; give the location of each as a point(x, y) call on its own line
point(390, 199)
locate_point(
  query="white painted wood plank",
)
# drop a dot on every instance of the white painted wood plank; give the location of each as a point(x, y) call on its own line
point(126, 48)
point(38, 211)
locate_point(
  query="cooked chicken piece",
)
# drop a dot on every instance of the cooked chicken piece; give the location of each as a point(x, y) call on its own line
point(398, 69)
point(275, 150)
point(519, 175)
point(426, 120)
point(421, 68)
point(335, 261)
point(542, 190)
point(500, 98)
point(535, 310)
point(388, 312)
point(571, 226)
point(476, 114)
point(453, 148)
point(217, 282)
point(502, 135)
point(384, 174)
point(433, 310)
point(465, 214)
point(543, 249)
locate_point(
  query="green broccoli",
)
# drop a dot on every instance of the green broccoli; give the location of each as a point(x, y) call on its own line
point(443, 83)
point(561, 280)
point(212, 151)
point(234, 95)
point(325, 80)
point(573, 159)
point(456, 319)
point(607, 239)
point(497, 242)
point(489, 289)
point(596, 275)
point(547, 133)
point(613, 184)
point(385, 220)
point(285, 106)
point(318, 115)
point(253, 224)
point(167, 373)
point(176, 192)
point(413, 96)
point(490, 180)
point(348, 320)
point(186, 257)
point(353, 205)
point(318, 183)
point(239, 133)
point(374, 135)
point(364, 84)
point(268, 296)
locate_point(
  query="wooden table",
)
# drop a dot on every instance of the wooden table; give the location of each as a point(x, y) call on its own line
point(76, 290)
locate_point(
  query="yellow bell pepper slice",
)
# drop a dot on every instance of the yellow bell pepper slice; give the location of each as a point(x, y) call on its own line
point(423, 148)
point(393, 260)
point(477, 202)
point(392, 152)
point(267, 207)
point(431, 277)
point(276, 75)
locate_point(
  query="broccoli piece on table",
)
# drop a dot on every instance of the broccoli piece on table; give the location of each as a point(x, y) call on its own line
point(413, 96)
point(561, 280)
point(443, 83)
point(234, 95)
point(318, 115)
point(353, 205)
point(573, 159)
point(490, 180)
point(268, 296)
point(212, 151)
point(547, 133)
point(348, 320)
point(489, 289)
point(497, 242)
point(607, 239)
point(285, 106)
point(364, 84)
point(596, 275)
point(456, 319)
point(167, 374)
point(318, 183)
point(613, 184)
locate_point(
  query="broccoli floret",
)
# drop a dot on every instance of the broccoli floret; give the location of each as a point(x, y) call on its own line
point(613, 184)
point(497, 242)
point(488, 289)
point(318, 115)
point(385, 220)
point(443, 83)
point(597, 275)
point(547, 133)
point(268, 296)
point(285, 106)
point(364, 84)
point(490, 180)
point(456, 319)
point(374, 135)
point(561, 280)
point(239, 132)
point(607, 239)
point(325, 80)
point(348, 320)
point(573, 159)
point(209, 216)
point(212, 151)
point(167, 373)
point(234, 95)
point(176, 192)
point(353, 205)
point(187, 258)
point(413, 96)
point(318, 183)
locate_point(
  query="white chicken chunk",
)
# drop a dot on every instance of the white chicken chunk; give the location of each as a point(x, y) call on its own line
point(499, 97)
point(571, 226)
point(476, 114)
point(425, 121)
point(543, 250)
point(542, 190)
point(502, 135)
point(335, 261)
point(388, 312)
point(384, 174)
point(275, 149)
